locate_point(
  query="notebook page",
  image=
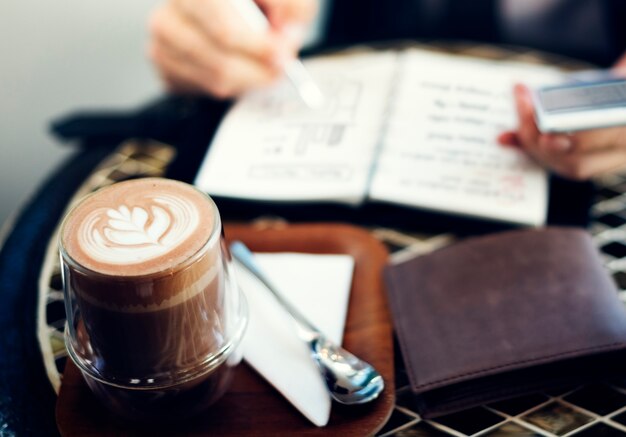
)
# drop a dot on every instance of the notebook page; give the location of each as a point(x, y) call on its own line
point(440, 152)
point(270, 146)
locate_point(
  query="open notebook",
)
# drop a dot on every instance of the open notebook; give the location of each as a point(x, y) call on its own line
point(414, 128)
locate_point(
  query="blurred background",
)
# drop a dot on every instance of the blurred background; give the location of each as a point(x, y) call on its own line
point(55, 58)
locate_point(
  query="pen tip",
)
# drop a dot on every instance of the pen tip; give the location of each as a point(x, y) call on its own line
point(311, 95)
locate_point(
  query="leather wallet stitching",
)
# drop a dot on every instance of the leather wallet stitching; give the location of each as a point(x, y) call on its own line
point(543, 359)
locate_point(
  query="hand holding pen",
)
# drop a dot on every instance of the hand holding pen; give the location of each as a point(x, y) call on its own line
point(208, 46)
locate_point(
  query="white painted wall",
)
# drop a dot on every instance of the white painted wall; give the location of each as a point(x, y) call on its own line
point(55, 57)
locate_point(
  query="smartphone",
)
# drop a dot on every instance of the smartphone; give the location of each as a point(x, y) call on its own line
point(585, 101)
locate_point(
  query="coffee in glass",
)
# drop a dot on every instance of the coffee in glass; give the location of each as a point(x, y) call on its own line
point(154, 316)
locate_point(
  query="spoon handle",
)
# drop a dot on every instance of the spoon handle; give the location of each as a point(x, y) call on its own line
point(242, 254)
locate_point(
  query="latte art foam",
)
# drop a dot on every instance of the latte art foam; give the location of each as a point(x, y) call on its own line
point(133, 233)
point(139, 227)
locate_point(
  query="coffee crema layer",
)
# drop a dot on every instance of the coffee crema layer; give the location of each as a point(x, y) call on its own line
point(139, 227)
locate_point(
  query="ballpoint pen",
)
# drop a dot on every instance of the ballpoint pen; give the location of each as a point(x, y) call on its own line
point(295, 71)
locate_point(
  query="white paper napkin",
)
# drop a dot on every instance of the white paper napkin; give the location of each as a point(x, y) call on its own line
point(319, 286)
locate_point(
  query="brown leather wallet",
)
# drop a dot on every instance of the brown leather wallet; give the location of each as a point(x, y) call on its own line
point(503, 315)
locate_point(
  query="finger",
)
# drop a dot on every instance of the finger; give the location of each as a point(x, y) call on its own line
point(584, 141)
point(178, 35)
point(234, 76)
point(556, 151)
point(556, 143)
point(528, 133)
point(238, 74)
point(178, 75)
point(597, 139)
point(508, 138)
point(283, 12)
point(585, 166)
point(224, 25)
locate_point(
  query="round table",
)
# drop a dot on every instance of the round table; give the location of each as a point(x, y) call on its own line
point(32, 314)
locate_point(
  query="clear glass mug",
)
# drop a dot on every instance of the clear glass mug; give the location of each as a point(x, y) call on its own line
point(156, 346)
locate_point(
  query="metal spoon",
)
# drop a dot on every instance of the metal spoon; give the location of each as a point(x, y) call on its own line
point(349, 379)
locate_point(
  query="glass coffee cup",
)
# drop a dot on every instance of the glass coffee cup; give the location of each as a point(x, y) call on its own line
point(154, 316)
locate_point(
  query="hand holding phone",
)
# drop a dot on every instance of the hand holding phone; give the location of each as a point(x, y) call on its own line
point(575, 154)
point(589, 100)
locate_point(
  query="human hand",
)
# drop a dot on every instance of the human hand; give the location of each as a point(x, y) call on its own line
point(580, 155)
point(205, 46)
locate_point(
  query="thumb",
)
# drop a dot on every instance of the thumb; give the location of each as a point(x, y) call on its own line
point(288, 12)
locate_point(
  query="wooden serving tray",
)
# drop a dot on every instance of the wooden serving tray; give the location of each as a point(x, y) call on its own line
point(252, 407)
